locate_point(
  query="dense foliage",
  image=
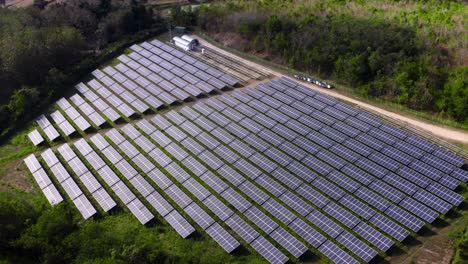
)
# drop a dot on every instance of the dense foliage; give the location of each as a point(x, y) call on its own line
point(33, 232)
point(44, 51)
point(398, 57)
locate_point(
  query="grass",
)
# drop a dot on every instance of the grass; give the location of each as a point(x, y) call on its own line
point(18, 147)
point(348, 91)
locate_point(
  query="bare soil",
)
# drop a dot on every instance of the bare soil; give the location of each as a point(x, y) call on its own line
point(15, 175)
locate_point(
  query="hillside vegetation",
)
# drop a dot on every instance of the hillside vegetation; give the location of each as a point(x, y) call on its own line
point(44, 52)
point(33, 232)
point(408, 52)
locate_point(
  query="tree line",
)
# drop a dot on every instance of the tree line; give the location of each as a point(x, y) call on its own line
point(44, 51)
point(376, 56)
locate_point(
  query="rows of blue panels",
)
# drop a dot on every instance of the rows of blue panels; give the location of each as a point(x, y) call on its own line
point(272, 187)
point(267, 123)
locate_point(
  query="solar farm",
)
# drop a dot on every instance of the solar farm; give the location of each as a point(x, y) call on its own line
point(273, 167)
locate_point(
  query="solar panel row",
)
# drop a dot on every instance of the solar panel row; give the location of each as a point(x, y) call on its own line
point(45, 184)
point(47, 127)
point(73, 114)
point(68, 184)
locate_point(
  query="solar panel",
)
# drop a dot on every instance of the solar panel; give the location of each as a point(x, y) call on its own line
point(331, 159)
point(420, 143)
point(372, 167)
point(445, 193)
point(270, 185)
point(41, 178)
point(49, 157)
point(142, 185)
point(77, 166)
point(123, 192)
point(243, 229)
point(449, 157)
point(90, 182)
point(405, 218)
point(312, 195)
point(236, 200)
point(298, 127)
point(296, 203)
point(307, 232)
point(99, 141)
point(324, 223)
point(389, 227)
point(139, 210)
point(320, 139)
point(290, 243)
point(179, 197)
point(279, 211)
point(82, 123)
point(371, 142)
point(200, 192)
point(71, 188)
point(199, 216)
point(328, 188)
point(336, 254)
point(145, 144)
point(414, 176)
point(35, 137)
point(302, 171)
point(341, 215)
point(32, 163)
point(418, 209)
point(84, 206)
point(376, 238)
point(387, 191)
point(438, 163)
point(357, 207)
point(218, 207)
point(460, 174)
point(52, 195)
point(104, 199)
point(261, 220)
point(60, 172)
point(356, 246)
point(222, 237)
point(51, 133)
point(176, 151)
point(108, 176)
point(426, 170)
point(194, 166)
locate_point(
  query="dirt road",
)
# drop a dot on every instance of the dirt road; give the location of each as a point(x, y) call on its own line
point(437, 130)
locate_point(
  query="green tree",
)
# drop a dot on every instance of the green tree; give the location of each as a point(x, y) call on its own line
point(454, 98)
point(273, 26)
point(22, 101)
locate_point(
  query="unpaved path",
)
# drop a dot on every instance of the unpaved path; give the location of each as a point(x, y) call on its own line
point(444, 132)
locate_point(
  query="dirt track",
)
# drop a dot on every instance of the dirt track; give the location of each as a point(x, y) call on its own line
point(437, 130)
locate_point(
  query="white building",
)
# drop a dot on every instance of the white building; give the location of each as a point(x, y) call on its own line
point(193, 41)
point(182, 43)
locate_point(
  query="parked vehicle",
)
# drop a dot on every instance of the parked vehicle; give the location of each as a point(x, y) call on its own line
point(312, 80)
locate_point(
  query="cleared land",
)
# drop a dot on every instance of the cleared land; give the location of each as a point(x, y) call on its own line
point(271, 166)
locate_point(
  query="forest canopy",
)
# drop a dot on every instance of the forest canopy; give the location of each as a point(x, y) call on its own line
point(43, 51)
point(410, 53)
